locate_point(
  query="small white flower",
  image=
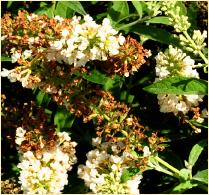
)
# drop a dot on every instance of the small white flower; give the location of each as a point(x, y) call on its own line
point(146, 151)
point(197, 130)
point(47, 156)
point(182, 107)
point(114, 167)
point(126, 74)
point(63, 136)
point(15, 57)
point(200, 120)
point(27, 54)
point(25, 164)
point(5, 72)
point(45, 173)
point(133, 185)
point(31, 17)
point(3, 37)
point(96, 141)
point(121, 39)
point(57, 45)
point(115, 159)
point(65, 33)
point(20, 132)
point(31, 40)
point(58, 18)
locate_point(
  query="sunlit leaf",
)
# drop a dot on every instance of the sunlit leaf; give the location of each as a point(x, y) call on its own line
point(196, 151)
point(159, 20)
point(138, 6)
point(153, 33)
point(179, 86)
point(182, 187)
point(201, 176)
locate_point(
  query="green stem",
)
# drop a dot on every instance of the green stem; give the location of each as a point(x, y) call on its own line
point(200, 66)
point(166, 172)
point(193, 127)
point(53, 6)
point(135, 22)
point(194, 46)
point(129, 16)
point(106, 117)
point(167, 165)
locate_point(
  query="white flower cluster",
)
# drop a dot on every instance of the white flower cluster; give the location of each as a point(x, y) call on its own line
point(102, 172)
point(86, 41)
point(45, 173)
point(173, 11)
point(199, 40)
point(174, 62)
point(177, 103)
point(171, 63)
point(18, 74)
point(20, 135)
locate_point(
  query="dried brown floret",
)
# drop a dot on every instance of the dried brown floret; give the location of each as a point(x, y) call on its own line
point(130, 58)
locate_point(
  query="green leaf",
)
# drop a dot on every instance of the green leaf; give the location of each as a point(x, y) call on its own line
point(42, 98)
point(184, 174)
point(63, 11)
point(159, 20)
point(49, 11)
point(75, 6)
point(153, 33)
point(127, 97)
point(183, 9)
point(139, 7)
point(43, 4)
point(201, 125)
point(192, 12)
point(182, 187)
point(9, 4)
point(5, 59)
point(129, 173)
point(196, 151)
point(113, 83)
point(63, 119)
point(96, 77)
point(179, 85)
point(145, 80)
point(118, 10)
point(201, 176)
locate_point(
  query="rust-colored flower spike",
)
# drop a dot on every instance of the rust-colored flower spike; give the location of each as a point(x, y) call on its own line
point(30, 33)
point(130, 58)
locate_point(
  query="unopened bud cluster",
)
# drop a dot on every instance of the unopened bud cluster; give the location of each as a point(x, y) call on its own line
point(178, 21)
point(199, 41)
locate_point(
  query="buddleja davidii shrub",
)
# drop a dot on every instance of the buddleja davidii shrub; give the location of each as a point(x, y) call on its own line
point(49, 59)
point(81, 97)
